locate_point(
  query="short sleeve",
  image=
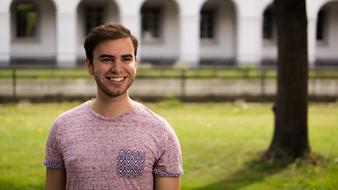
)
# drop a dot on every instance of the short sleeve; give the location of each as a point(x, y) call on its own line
point(53, 157)
point(169, 163)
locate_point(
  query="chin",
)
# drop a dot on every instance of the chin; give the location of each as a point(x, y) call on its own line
point(115, 93)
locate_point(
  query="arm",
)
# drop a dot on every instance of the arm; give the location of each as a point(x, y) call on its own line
point(167, 183)
point(55, 179)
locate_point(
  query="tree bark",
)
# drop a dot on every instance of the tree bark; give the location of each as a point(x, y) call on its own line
point(290, 138)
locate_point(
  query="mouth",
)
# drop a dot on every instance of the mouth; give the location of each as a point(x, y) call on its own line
point(115, 79)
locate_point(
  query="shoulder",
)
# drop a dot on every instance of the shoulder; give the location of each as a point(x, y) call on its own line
point(71, 122)
point(76, 114)
point(77, 111)
point(157, 122)
point(147, 114)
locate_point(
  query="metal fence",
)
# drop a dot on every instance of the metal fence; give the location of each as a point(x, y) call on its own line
point(155, 82)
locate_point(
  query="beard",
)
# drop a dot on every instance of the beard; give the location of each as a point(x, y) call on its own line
point(113, 92)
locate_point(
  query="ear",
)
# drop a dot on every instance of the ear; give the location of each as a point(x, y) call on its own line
point(89, 66)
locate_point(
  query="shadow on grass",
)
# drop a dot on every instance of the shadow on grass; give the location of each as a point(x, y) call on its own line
point(252, 172)
point(19, 186)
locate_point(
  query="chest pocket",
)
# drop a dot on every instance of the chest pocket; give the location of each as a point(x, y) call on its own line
point(130, 163)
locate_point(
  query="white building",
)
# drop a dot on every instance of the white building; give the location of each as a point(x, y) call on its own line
point(188, 31)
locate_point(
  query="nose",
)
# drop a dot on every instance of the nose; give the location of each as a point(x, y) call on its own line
point(116, 65)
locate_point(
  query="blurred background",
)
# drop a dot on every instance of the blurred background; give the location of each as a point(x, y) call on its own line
point(187, 32)
point(207, 66)
point(193, 48)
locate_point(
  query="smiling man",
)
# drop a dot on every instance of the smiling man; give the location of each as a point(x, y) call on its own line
point(112, 141)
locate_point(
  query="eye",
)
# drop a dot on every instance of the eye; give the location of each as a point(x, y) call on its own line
point(106, 60)
point(127, 59)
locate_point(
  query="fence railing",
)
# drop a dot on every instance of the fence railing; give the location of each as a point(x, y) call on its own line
point(162, 81)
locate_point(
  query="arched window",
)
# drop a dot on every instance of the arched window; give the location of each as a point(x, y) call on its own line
point(321, 30)
point(151, 22)
point(207, 23)
point(93, 17)
point(26, 20)
point(268, 23)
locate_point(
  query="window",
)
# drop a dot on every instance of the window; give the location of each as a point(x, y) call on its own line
point(150, 22)
point(94, 17)
point(321, 25)
point(268, 24)
point(26, 17)
point(207, 24)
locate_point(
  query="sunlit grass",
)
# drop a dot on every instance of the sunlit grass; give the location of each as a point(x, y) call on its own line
point(149, 72)
point(221, 143)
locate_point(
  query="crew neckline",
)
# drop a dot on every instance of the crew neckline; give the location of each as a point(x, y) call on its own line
point(100, 116)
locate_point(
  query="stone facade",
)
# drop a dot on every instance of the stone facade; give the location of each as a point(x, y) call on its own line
point(188, 32)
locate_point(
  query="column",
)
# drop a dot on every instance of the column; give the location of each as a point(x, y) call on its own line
point(189, 19)
point(249, 31)
point(312, 9)
point(312, 24)
point(66, 32)
point(249, 40)
point(4, 38)
point(133, 23)
point(66, 38)
point(189, 39)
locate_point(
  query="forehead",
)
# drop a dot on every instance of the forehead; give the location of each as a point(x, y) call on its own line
point(115, 47)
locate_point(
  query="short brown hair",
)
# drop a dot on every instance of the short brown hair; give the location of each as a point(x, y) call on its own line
point(108, 31)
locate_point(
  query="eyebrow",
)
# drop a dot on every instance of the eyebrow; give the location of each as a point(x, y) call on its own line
point(106, 56)
point(111, 57)
point(127, 56)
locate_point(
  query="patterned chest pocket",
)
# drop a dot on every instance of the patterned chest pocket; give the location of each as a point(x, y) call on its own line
point(130, 163)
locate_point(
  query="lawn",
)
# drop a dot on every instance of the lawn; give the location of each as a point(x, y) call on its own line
point(146, 71)
point(221, 144)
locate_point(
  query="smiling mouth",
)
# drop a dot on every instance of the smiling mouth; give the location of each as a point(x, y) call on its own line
point(116, 79)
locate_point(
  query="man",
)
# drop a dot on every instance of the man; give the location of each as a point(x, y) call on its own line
point(112, 142)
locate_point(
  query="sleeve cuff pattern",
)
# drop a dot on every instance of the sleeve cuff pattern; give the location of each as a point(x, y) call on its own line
point(53, 165)
point(167, 174)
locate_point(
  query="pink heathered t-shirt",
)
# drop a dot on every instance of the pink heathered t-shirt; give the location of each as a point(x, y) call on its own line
point(124, 152)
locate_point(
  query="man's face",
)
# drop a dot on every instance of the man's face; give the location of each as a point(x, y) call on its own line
point(113, 66)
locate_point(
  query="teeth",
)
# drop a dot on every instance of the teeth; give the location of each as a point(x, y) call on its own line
point(116, 79)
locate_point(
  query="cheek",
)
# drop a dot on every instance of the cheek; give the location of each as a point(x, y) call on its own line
point(100, 69)
point(99, 74)
point(131, 69)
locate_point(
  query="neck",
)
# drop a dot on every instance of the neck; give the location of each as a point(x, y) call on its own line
point(112, 106)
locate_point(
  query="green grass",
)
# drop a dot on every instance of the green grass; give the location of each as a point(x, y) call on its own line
point(45, 73)
point(221, 143)
point(148, 72)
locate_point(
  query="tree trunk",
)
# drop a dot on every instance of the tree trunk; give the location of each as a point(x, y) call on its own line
point(290, 138)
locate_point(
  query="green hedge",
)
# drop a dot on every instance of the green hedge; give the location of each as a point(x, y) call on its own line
point(165, 73)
